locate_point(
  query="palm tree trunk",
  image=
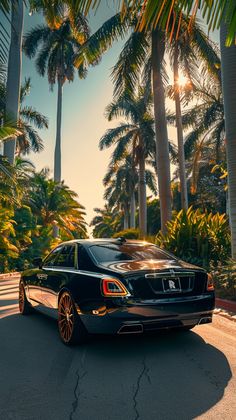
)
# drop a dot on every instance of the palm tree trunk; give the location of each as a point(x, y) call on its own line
point(126, 219)
point(14, 73)
point(142, 197)
point(132, 210)
point(180, 138)
point(162, 144)
point(228, 59)
point(57, 154)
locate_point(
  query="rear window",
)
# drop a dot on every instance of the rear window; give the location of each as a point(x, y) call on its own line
point(128, 252)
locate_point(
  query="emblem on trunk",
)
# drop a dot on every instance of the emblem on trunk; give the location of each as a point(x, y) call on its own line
point(171, 284)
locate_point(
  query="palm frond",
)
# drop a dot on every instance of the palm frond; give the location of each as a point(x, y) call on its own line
point(126, 72)
point(34, 117)
point(114, 134)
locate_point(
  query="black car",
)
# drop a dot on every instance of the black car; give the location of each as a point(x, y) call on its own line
point(116, 286)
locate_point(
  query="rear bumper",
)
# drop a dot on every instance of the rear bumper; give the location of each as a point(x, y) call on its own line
point(124, 316)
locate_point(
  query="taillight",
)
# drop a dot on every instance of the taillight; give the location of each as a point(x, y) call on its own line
point(210, 283)
point(113, 287)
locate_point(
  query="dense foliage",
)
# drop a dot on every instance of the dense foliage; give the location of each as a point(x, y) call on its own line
point(26, 223)
point(197, 237)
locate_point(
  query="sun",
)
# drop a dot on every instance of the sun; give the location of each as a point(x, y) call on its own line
point(182, 81)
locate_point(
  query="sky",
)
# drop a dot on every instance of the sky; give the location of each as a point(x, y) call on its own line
point(83, 121)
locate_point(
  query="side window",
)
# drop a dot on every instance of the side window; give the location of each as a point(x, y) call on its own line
point(84, 262)
point(51, 258)
point(66, 257)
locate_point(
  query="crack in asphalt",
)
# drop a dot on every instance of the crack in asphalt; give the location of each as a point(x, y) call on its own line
point(77, 392)
point(144, 372)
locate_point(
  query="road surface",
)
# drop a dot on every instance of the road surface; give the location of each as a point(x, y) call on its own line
point(176, 376)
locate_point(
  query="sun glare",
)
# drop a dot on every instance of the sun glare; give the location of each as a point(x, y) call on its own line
point(182, 81)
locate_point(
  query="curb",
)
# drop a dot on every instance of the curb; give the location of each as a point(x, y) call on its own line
point(225, 304)
point(231, 316)
point(9, 275)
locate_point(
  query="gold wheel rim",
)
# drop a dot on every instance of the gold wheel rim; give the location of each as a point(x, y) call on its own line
point(66, 318)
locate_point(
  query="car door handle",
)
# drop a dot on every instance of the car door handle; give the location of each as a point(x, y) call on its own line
point(42, 276)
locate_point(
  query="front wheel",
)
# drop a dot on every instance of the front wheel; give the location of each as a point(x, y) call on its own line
point(70, 326)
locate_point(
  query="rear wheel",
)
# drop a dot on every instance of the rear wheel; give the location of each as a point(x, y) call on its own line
point(25, 307)
point(70, 326)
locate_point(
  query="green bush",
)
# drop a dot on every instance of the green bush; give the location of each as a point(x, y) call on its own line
point(128, 234)
point(199, 238)
point(225, 280)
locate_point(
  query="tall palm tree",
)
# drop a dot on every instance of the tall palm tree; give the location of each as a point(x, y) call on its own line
point(137, 136)
point(14, 72)
point(55, 50)
point(146, 49)
point(121, 182)
point(228, 57)
point(204, 120)
point(186, 52)
point(157, 13)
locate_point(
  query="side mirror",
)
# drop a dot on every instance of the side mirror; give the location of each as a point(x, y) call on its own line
point(38, 262)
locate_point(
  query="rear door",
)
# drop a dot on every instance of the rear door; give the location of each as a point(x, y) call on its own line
point(36, 283)
point(58, 275)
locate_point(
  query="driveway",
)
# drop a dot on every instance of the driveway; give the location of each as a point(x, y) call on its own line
point(173, 375)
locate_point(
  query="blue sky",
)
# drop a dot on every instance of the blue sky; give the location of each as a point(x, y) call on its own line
point(83, 121)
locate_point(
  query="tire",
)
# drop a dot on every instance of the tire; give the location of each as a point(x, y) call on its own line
point(25, 307)
point(71, 329)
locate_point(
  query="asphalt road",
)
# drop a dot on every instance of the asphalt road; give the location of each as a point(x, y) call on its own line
point(184, 375)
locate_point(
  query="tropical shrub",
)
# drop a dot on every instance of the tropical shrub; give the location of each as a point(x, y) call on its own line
point(199, 238)
point(7, 232)
point(225, 280)
point(128, 234)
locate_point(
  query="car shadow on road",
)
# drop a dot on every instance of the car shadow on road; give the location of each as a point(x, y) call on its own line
point(166, 375)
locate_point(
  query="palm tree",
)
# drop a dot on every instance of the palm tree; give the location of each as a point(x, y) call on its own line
point(153, 13)
point(146, 49)
point(14, 73)
point(204, 120)
point(228, 57)
point(121, 182)
point(107, 222)
point(137, 135)
point(185, 53)
point(55, 204)
point(27, 139)
point(55, 50)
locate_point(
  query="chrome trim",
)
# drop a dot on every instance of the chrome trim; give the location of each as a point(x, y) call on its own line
point(130, 326)
point(205, 320)
point(74, 271)
point(171, 273)
point(172, 300)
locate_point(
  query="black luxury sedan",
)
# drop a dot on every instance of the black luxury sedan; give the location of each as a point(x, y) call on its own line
point(116, 286)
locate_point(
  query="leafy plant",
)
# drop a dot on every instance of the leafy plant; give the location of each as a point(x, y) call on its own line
point(128, 234)
point(225, 280)
point(200, 238)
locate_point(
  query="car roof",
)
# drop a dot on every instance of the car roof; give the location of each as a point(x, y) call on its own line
point(97, 241)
